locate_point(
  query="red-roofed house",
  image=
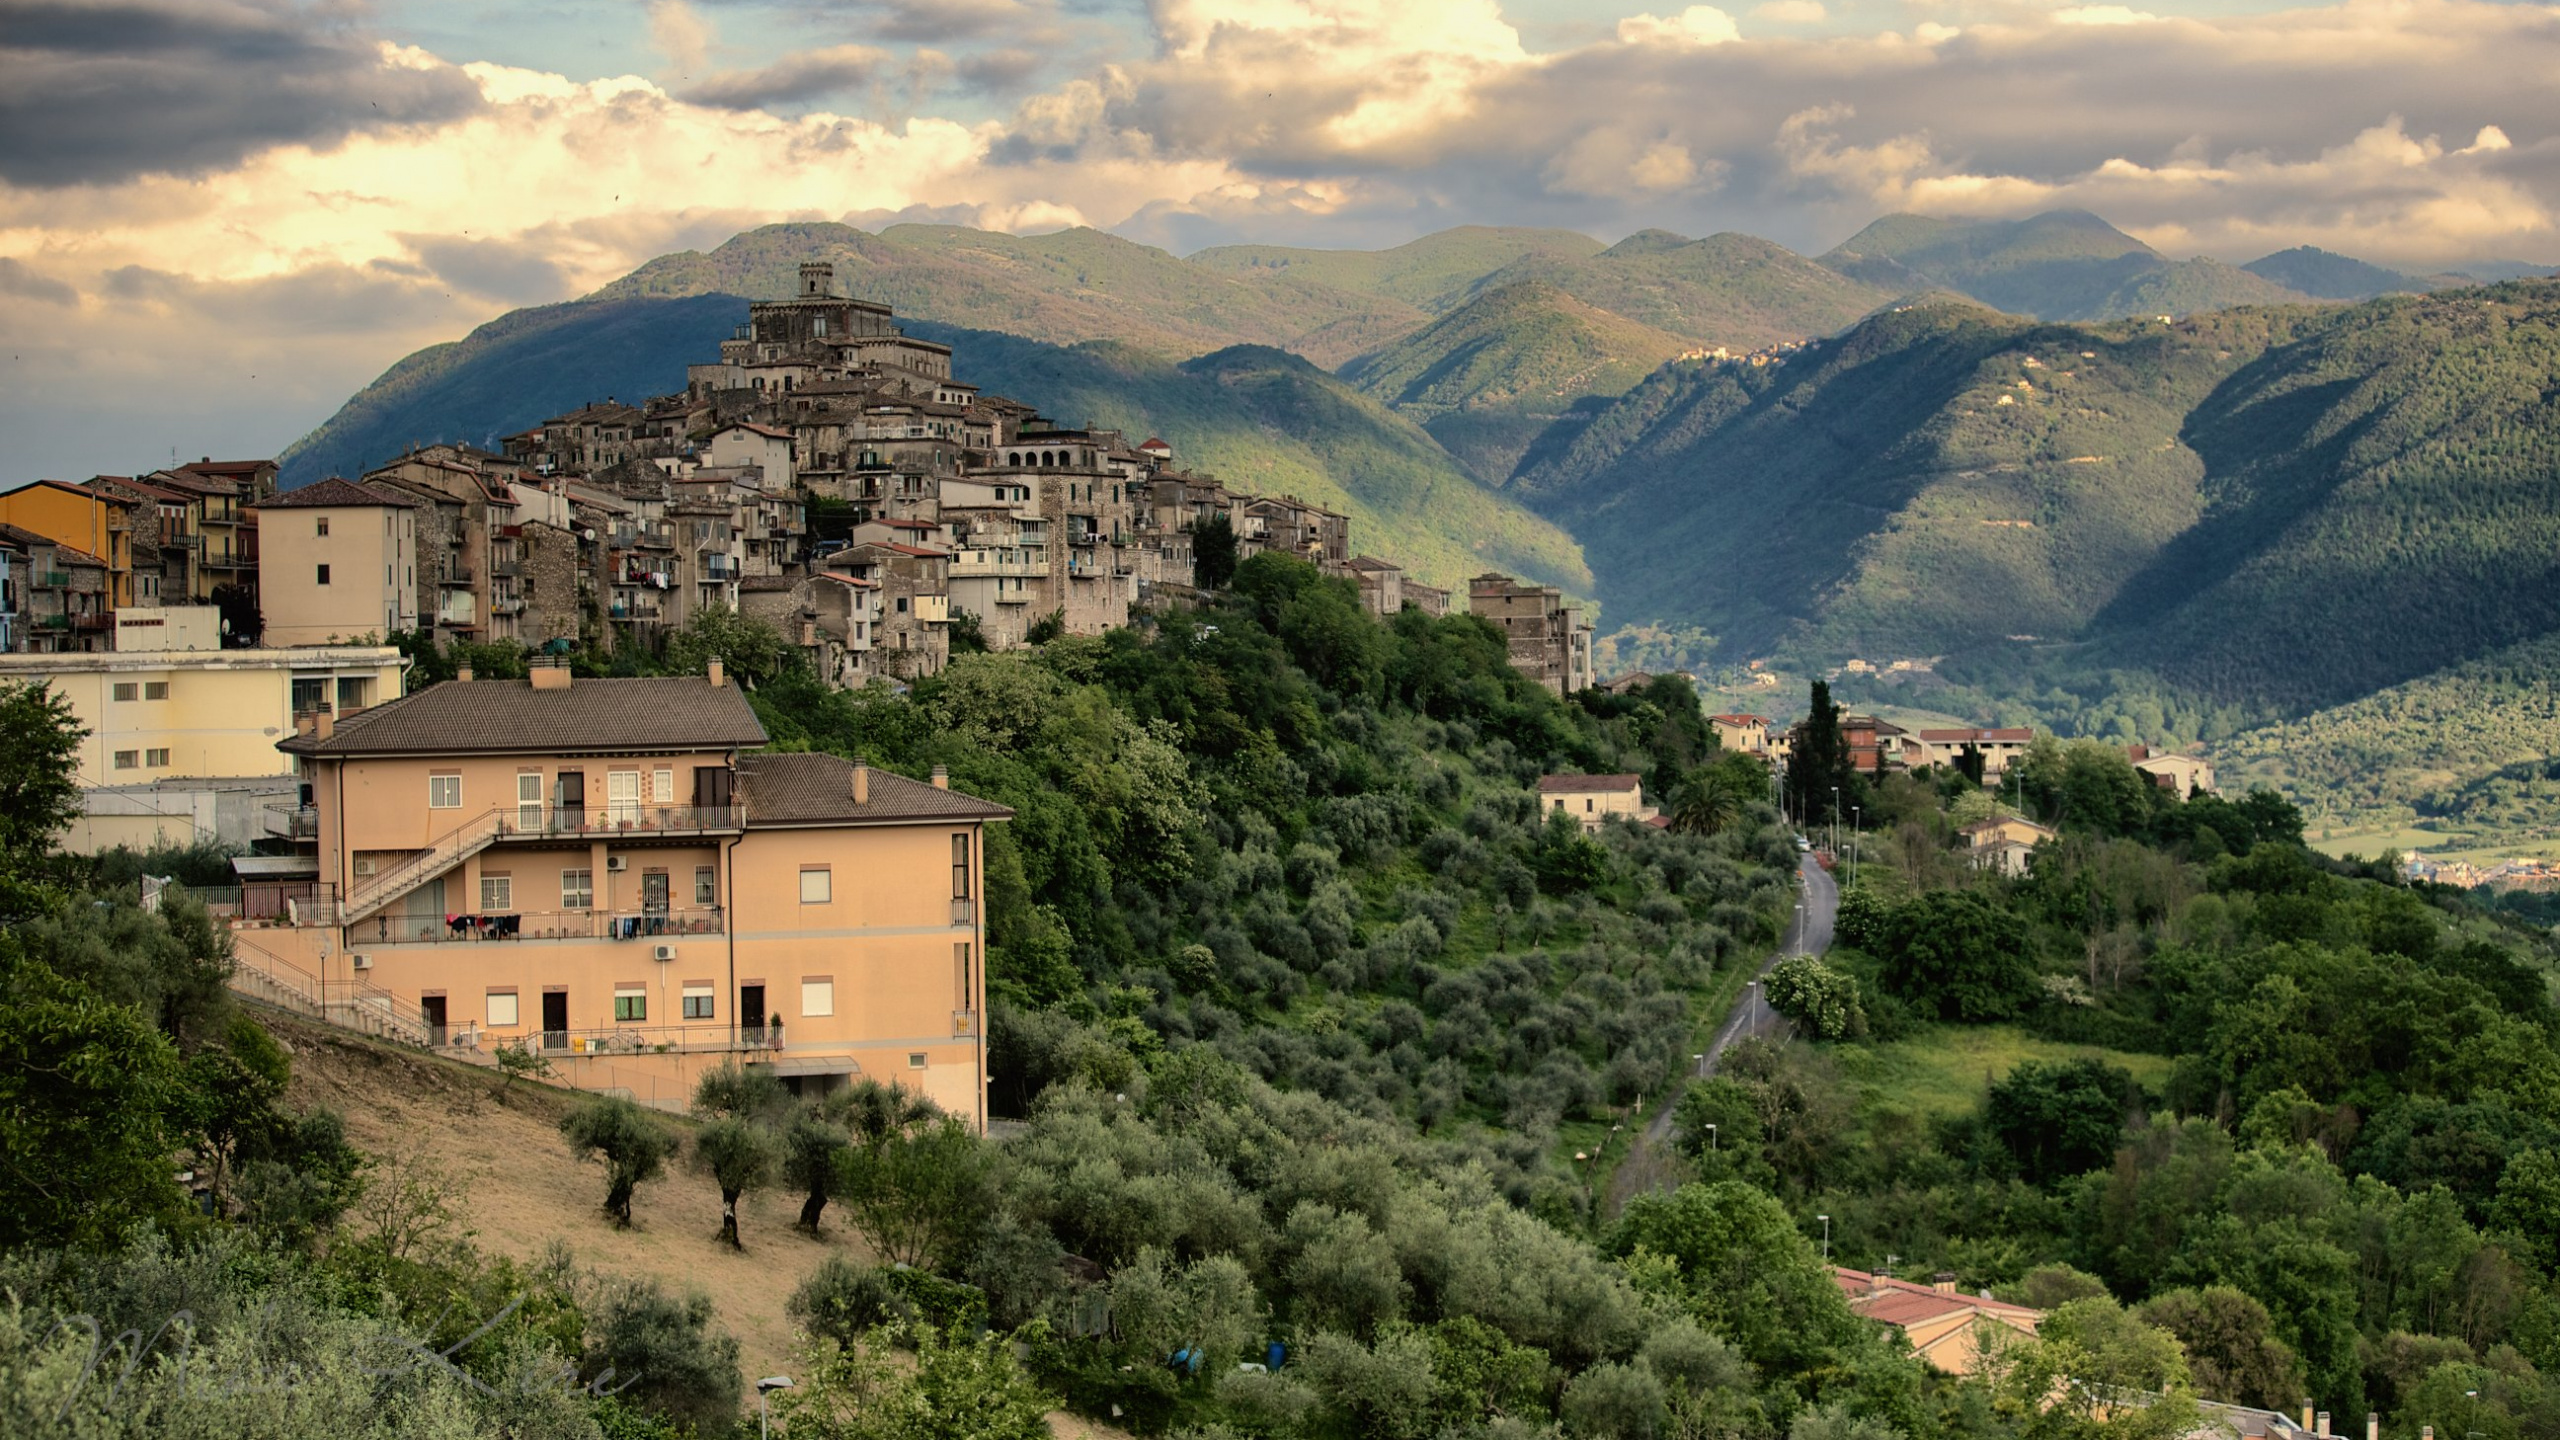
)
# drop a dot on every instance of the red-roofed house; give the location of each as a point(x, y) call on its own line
point(1748, 734)
point(1950, 1331)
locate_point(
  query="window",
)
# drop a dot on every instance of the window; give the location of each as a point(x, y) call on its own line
point(127, 690)
point(156, 759)
point(662, 787)
point(324, 575)
point(502, 1007)
point(155, 689)
point(577, 889)
point(127, 759)
point(967, 975)
point(444, 792)
point(698, 1004)
point(817, 887)
point(351, 693)
point(323, 526)
point(307, 695)
point(902, 604)
point(818, 995)
point(915, 1059)
point(630, 1002)
point(960, 866)
point(706, 885)
point(497, 892)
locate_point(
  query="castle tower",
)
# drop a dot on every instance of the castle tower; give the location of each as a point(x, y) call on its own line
point(817, 280)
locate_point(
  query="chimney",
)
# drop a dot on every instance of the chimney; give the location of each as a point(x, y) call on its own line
point(463, 674)
point(550, 677)
point(303, 722)
point(941, 777)
point(325, 723)
point(2372, 1425)
point(1943, 1283)
point(861, 781)
point(719, 673)
point(2306, 1417)
point(2324, 1423)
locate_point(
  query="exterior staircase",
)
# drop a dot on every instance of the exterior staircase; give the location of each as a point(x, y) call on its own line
point(450, 850)
point(260, 974)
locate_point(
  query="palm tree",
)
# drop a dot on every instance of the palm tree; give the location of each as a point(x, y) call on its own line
point(1708, 801)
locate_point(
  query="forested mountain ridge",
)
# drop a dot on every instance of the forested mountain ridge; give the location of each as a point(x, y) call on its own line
point(2279, 508)
point(2060, 265)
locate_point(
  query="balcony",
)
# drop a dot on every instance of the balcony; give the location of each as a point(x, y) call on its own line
point(508, 569)
point(93, 622)
point(643, 1039)
point(459, 575)
point(295, 822)
point(53, 579)
point(967, 569)
point(551, 822)
point(513, 927)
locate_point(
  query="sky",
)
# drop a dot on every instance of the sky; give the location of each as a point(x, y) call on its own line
point(220, 218)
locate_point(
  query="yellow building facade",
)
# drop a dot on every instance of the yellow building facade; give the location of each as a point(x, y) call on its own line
point(82, 519)
point(606, 873)
point(337, 560)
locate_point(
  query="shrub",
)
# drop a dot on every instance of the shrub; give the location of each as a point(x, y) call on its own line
point(633, 1146)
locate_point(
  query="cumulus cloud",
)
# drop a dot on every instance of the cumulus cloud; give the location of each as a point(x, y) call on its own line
point(796, 79)
point(1696, 27)
point(110, 89)
point(1791, 12)
point(19, 279)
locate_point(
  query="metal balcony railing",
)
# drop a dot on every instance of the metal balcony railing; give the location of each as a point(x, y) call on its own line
point(513, 926)
point(549, 822)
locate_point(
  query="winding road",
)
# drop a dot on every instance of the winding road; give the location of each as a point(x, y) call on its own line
point(1809, 933)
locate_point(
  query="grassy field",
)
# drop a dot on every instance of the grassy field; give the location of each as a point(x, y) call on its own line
point(1943, 1071)
point(2469, 846)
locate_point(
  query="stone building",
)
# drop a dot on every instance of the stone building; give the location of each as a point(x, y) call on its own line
point(1548, 641)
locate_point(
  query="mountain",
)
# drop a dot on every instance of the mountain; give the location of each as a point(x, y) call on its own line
point(1267, 421)
point(2281, 508)
point(2325, 275)
point(1488, 377)
point(1435, 273)
point(2061, 265)
point(1072, 285)
point(1730, 291)
point(1264, 420)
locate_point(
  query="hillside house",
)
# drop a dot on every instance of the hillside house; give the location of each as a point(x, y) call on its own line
point(1381, 585)
point(1949, 1330)
point(339, 559)
point(1593, 799)
point(606, 871)
point(1548, 641)
point(2004, 843)
point(1743, 734)
point(1999, 748)
point(2185, 776)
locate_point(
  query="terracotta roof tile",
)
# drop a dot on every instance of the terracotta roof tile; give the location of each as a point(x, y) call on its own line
point(335, 493)
point(816, 789)
point(511, 717)
point(1580, 784)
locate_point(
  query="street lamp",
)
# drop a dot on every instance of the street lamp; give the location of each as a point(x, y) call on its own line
point(1712, 1146)
point(765, 1387)
point(1701, 1058)
point(1857, 829)
point(1835, 822)
point(1826, 1237)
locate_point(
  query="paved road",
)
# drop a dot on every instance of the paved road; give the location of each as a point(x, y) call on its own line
point(1808, 933)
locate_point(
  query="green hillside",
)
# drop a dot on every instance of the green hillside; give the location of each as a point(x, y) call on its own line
point(1488, 377)
point(2327, 275)
point(2382, 501)
point(2061, 265)
point(1939, 477)
point(1731, 291)
point(1267, 421)
point(1073, 285)
point(1434, 273)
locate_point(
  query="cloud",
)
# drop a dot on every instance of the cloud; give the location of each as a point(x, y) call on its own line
point(19, 279)
point(682, 35)
point(1694, 28)
point(2102, 15)
point(104, 91)
point(941, 21)
point(796, 79)
point(1791, 12)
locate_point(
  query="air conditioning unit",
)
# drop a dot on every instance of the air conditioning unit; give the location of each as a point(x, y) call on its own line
point(617, 862)
point(361, 962)
point(666, 952)
point(365, 867)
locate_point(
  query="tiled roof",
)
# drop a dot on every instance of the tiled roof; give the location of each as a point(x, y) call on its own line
point(511, 717)
point(62, 554)
point(1579, 784)
point(227, 467)
point(334, 493)
point(1739, 719)
point(814, 789)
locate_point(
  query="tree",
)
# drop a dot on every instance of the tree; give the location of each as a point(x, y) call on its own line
point(671, 1352)
point(1960, 956)
point(92, 1103)
point(739, 1092)
point(1213, 552)
point(1822, 1000)
point(921, 1193)
point(633, 1146)
point(811, 1140)
point(968, 633)
point(1718, 795)
point(2231, 1345)
point(39, 786)
point(1047, 628)
point(1747, 1273)
point(750, 649)
point(738, 1155)
point(1819, 767)
point(959, 1386)
point(2060, 1118)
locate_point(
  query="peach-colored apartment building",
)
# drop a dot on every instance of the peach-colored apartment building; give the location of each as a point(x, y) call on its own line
point(604, 870)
